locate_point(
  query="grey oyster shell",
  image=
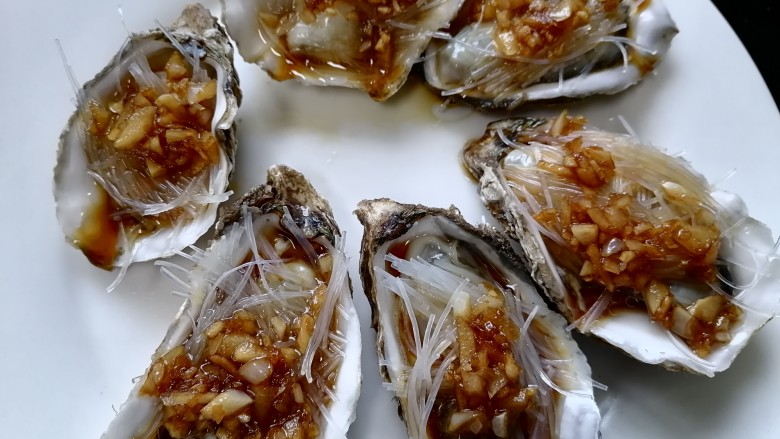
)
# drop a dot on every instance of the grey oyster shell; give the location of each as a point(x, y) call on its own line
point(605, 56)
point(386, 223)
point(77, 187)
point(286, 194)
point(746, 249)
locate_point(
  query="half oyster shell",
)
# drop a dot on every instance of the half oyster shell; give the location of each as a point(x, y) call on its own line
point(503, 54)
point(146, 157)
point(346, 43)
point(268, 342)
point(633, 245)
point(464, 340)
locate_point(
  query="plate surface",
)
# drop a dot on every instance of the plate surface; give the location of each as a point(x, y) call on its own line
point(72, 350)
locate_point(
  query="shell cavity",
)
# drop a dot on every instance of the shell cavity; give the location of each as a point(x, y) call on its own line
point(345, 43)
point(268, 341)
point(146, 157)
point(632, 244)
point(464, 340)
point(503, 54)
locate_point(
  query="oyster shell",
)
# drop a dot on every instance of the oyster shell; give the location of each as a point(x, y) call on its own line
point(618, 230)
point(464, 340)
point(503, 54)
point(146, 157)
point(268, 340)
point(344, 43)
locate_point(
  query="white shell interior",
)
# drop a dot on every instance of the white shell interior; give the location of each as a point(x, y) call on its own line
point(577, 414)
point(754, 265)
point(330, 39)
point(449, 63)
point(138, 417)
point(757, 266)
point(74, 189)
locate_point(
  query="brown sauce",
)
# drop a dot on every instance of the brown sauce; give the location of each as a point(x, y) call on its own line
point(98, 236)
point(397, 249)
point(529, 28)
point(274, 404)
point(644, 62)
point(184, 151)
point(655, 252)
point(493, 334)
point(177, 144)
point(499, 280)
point(484, 354)
point(375, 59)
point(279, 405)
point(613, 245)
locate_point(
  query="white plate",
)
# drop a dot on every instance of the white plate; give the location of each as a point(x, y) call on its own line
point(71, 350)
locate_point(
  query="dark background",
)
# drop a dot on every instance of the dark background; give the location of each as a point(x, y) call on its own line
point(755, 22)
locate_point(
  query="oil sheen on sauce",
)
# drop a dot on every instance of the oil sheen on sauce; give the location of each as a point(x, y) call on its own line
point(278, 406)
point(493, 333)
point(99, 235)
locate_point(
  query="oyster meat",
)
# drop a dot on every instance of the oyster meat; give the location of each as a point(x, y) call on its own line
point(348, 43)
point(633, 245)
point(503, 54)
point(268, 343)
point(146, 157)
point(466, 343)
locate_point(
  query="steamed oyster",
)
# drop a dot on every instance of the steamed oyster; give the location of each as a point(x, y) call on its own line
point(464, 340)
point(505, 53)
point(268, 343)
point(348, 43)
point(620, 230)
point(146, 157)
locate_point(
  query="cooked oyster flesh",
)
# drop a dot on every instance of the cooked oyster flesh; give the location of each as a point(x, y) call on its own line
point(503, 54)
point(344, 43)
point(146, 158)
